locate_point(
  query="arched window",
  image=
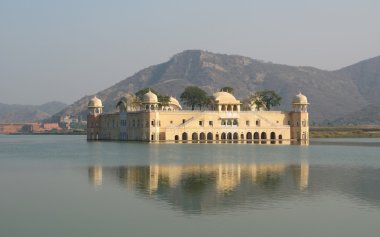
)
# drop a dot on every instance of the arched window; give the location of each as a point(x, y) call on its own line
point(176, 138)
point(235, 108)
point(258, 122)
point(229, 108)
point(280, 139)
point(223, 107)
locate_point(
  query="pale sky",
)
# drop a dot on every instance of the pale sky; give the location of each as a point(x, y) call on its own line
point(63, 50)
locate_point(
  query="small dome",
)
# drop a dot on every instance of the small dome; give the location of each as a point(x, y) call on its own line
point(223, 97)
point(300, 99)
point(95, 102)
point(174, 101)
point(150, 98)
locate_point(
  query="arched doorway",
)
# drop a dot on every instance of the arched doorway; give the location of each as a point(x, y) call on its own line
point(272, 138)
point(223, 137)
point(184, 137)
point(229, 136)
point(256, 137)
point(280, 139)
point(217, 138)
point(249, 137)
point(236, 137)
point(209, 137)
point(202, 137)
point(194, 137)
point(263, 138)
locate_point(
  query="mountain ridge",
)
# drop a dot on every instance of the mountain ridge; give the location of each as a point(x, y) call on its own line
point(332, 94)
point(15, 113)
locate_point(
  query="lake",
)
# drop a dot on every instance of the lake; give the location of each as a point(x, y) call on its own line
point(65, 186)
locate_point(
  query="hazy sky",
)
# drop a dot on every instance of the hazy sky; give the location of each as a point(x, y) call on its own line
point(63, 50)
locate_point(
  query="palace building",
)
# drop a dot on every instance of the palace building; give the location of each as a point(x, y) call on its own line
point(150, 121)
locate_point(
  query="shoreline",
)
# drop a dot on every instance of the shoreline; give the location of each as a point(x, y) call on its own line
point(359, 131)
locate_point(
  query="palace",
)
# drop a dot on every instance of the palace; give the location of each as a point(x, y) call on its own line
point(227, 123)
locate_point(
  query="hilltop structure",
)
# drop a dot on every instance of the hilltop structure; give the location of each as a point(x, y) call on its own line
point(151, 122)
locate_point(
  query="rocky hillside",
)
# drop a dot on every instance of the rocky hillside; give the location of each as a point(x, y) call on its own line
point(332, 94)
point(28, 113)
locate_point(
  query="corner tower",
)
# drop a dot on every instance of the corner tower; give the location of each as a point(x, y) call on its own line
point(300, 119)
point(95, 108)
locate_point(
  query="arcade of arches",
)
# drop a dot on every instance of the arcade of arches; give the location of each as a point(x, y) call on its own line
point(230, 136)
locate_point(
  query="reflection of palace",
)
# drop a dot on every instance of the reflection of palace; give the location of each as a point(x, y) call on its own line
point(196, 187)
point(209, 188)
point(225, 177)
point(95, 174)
point(150, 121)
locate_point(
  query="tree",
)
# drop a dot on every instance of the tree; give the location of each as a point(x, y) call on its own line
point(164, 100)
point(129, 103)
point(265, 99)
point(194, 96)
point(211, 102)
point(227, 89)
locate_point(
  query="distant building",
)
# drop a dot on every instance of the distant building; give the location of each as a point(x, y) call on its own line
point(28, 128)
point(151, 122)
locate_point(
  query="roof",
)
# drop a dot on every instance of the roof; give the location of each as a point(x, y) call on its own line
point(223, 97)
point(95, 102)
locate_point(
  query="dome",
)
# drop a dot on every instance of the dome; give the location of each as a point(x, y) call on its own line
point(300, 99)
point(174, 101)
point(95, 102)
point(223, 97)
point(150, 98)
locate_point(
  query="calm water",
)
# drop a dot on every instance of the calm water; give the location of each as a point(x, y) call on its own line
point(66, 186)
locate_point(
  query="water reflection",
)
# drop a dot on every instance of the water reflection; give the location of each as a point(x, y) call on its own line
point(213, 187)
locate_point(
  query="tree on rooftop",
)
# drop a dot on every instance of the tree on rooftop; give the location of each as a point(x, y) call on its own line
point(194, 96)
point(164, 100)
point(227, 89)
point(265, 100)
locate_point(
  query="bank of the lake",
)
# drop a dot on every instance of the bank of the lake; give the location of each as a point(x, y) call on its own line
point(353, 131)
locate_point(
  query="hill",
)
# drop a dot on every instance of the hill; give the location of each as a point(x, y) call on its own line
point(29, 113)
point(369, 114)
point(332, 94)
